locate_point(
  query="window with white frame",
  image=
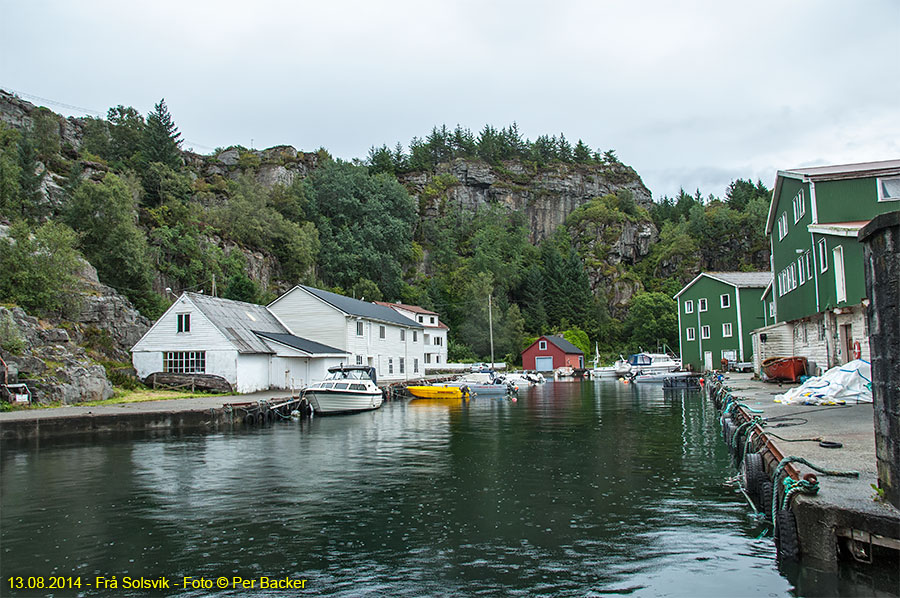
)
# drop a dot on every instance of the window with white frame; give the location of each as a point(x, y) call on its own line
point(823, 256)
point(436, 341)
point(690, 334)
point(421, 319)
point(792, 274)
point(402, 335)
point(542, 346)
point(799, 206)
point(402, 364)
point(726, 330)
point(184, 362)
point(381, 332)
point(889, 189)
point(840, 284)
point(771, 309)
point(725, 300)
point(701, 304)
point(359, 328)
point(807, 261)
point(183, 323)
point(359, 360)
point(432, 320)
point(415, 336)
point(437, 358)
point(704, 332)
point(801, 270)
point(415, 365)
point(689, 307)
point(782, 226)
point(390, 365)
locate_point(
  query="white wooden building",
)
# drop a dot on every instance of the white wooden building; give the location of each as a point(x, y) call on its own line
point(434, 334)
point(372, 334)
point(242, 342)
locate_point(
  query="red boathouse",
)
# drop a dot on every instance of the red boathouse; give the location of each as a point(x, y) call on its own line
point(550, 352)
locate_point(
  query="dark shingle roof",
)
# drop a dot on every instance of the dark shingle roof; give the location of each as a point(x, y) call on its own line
point(363, 309)
point(563, 344)
point(238, 320)
point(305, 345)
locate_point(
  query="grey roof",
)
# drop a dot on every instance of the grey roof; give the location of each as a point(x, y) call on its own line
point(862, 168)
point(744, 279)
point(363, 309)
point(741, 280)
point(563, 344)
point(305, 345)
point(238, 321)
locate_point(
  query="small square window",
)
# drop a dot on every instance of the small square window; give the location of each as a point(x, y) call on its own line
point(889, 189)
point(542, 346)
point(726, 329)
point(701, 304)
point(725, 300)
point(432, 319)
point(689, 306)
point(691, 334)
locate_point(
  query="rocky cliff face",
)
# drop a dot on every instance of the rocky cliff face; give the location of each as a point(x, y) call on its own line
point(58, 359)
point(547, 195)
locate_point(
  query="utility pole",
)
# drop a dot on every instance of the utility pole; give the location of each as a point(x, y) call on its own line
point(214, 286)
point(491, 329)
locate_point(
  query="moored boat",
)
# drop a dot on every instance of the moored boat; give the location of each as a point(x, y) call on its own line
point(437, 392)
point(346, 389)
point(661, 377)
point(649, 363)
point(484, 384)
point(784, 368)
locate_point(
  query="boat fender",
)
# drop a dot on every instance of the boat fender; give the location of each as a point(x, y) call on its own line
point(249, 419)
point(464, 390)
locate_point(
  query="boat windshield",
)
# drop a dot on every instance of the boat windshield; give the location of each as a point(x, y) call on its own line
point(348, 375)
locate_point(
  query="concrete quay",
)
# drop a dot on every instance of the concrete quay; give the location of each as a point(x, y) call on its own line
point(843, 520)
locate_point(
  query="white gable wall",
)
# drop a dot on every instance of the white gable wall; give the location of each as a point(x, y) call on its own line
point(384, 353)
point(309, 317)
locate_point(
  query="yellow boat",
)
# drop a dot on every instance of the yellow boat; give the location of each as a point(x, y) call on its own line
point(436, 392)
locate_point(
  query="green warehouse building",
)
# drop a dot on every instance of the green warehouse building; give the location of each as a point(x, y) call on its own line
point(816, 305)
point(716, 312)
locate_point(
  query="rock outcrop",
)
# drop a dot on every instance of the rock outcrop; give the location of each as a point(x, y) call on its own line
point(547, 195)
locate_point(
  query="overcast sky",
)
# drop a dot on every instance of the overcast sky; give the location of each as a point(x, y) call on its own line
point(691, 94)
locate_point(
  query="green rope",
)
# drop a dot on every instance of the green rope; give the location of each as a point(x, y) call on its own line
point(734, 404)
point(793, 486)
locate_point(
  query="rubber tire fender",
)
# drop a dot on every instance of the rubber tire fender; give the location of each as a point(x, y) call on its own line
point(764, 503)
point(753, 473)
point(729, 429)
point(787, 540)
point(250, 419)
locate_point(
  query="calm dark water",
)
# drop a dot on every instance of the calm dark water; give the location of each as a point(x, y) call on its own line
point(576, 489)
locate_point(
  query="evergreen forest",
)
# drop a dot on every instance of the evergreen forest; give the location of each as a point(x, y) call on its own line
point(154, 220)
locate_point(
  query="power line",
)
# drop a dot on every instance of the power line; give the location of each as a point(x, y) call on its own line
point(84, 110)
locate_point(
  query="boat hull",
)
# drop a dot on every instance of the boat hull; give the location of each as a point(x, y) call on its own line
point(435, 392)
point(482, 389)
point(330, 402)
point(784, 368)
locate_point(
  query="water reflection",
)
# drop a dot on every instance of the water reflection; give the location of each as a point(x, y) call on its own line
point(574, 489)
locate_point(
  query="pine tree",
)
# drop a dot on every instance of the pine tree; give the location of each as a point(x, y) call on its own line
point(162, 141)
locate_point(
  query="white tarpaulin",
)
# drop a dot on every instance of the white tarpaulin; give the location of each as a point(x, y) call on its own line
point(848, 383)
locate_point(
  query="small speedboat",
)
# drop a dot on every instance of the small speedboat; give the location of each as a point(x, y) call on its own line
point(484, 383)
point(346, 389)
point(660, 377)
point(438, 392)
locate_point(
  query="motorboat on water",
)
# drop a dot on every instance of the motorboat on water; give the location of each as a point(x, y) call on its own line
point(648, 363)
point(484, 383)
point(525, 378)
point(438, 392)
point(346, 389)
point(620, 368)
point(661, 377)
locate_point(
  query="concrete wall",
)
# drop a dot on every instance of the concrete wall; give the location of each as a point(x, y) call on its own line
point(881, 239)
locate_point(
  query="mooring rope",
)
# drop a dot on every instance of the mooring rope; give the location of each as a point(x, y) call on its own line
point(802, 486)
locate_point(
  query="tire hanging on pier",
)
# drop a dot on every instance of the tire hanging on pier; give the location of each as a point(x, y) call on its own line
point(787, 541)
point(753, 473)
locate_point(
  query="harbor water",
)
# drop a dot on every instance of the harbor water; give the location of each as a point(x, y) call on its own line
point(574, 489)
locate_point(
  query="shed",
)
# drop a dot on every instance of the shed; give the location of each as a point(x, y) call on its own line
point(550, 352)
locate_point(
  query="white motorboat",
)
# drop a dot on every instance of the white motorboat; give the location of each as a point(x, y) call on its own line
point(346, 389)
point(659, 378)
point(525, 378)
point(649, 363)
point(484, 383)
